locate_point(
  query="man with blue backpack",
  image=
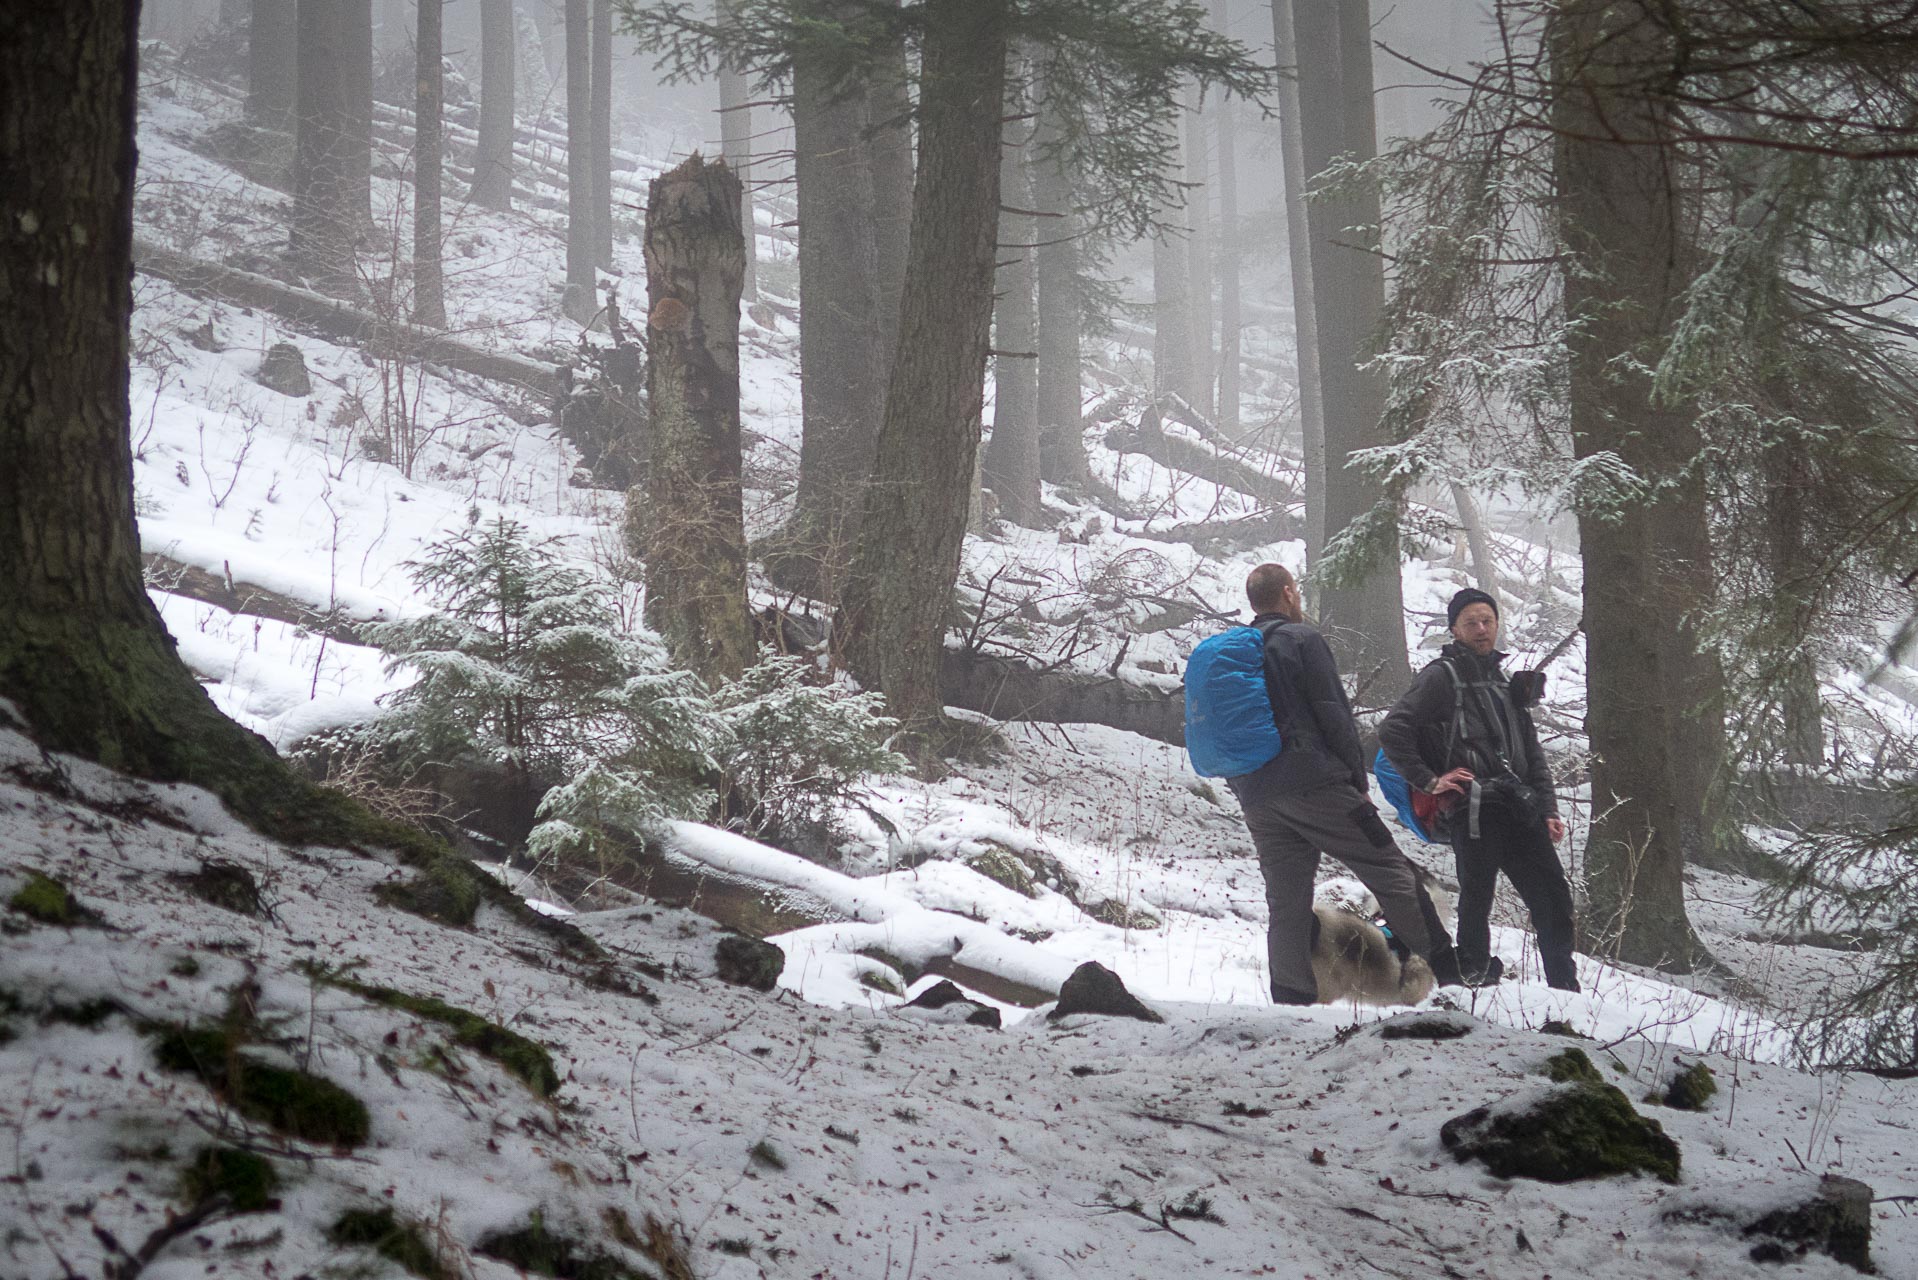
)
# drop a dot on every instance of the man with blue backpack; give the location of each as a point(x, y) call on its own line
point(1266, 711)
point(1463, 735)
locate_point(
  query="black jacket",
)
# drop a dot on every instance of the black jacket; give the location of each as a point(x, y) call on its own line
point(1496, 734)
point(1310, 707)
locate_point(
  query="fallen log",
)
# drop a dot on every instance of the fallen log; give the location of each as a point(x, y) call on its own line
point(1007, 690)
point(331, 318)
point(1176, 454)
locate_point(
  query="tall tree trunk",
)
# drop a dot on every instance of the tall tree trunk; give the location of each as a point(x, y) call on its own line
point(1174, 369)
point(1305, 325)
point(1011, 466)
point(1364, 622)
point(1484, 565)
point(493, 162)
point(1062, 446)
point(581, 300)
point(328, 205)
point(842, 356)
point(429, 288)
point(602, 134)
point(736, 144)
point(906, 562)
point(272, 64)
point(1647, 565)
point(357, 67)
point(1230, 317)
point(889, 145)
point(1198, 216)
point(688, 520)
point(83, 653)
point(1792, 564)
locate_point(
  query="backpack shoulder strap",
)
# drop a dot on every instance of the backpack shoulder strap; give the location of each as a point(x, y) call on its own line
point(1456, 729)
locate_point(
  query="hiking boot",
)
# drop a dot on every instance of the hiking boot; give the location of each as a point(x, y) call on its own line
point(1445, 967)
point(1488, 976)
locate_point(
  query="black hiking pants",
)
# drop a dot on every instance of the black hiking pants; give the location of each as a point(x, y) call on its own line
point(1517, 844)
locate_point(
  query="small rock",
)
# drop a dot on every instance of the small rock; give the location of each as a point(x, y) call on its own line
point(204, 338)
point(749, 962)
point(284, 370)
point(1836, 1221)
point(1570, 1133)
point(1691, 1088)
point(1426, 1026)
point(947, 998)
point(1093, 988)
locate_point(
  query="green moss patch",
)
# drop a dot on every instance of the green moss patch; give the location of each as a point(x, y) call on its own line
point(522, 1057)
point(539, 1251)
point(1002, 866)
point(1582, 1130)
point(749, 962)
point(447, 891)
point(247, 1180)
point(1691, 1089)
point(290, 1102)
point(226, 885)
point(1571, 1067)
point(45, 899)
point(1120, 916)
point(389, 1236)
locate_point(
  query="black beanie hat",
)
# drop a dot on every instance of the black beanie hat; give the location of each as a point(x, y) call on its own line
point(1463, 600)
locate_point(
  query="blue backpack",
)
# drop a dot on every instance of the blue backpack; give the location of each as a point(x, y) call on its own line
point(1229, 724)
point(1392, 784)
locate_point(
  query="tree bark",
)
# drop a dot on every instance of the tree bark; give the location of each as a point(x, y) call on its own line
point(842, 352)
point(1364, 622)
point(1174, 366)
point(493, 159)
point(272, 64)
point(907, 558)
point(1305, 327)
point(1062, 448)
point(736, 144)
point(688, 521)
point(581, 299)
point(429, 288)
point(1484, 566)
point(602, 134)
point(1198, 216)
point(329, 204)
point(1792, 564)
point(1011, 468)
point(888, 144)
point(1226, 412)
point(83, 653)
point(1647, 565)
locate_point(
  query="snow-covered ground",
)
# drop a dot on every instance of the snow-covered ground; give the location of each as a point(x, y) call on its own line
point(770, 1136)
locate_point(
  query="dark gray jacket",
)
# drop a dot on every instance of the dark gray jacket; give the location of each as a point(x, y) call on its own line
point(1310, 707)
point(1496, 734)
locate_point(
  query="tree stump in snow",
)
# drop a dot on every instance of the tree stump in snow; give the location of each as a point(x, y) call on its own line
point(686, 523)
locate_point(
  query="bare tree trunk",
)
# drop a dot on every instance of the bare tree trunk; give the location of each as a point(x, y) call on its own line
point(1230, 318)
point(1305, 327)
point(493, 161)
point(333, 35)
point(889, 146)
point(1198, 204)
point(1062, 447)
point(1365, 622)
point(273, 64)
point(83, 653)
point(1174, 371)
point(1011, 466)
point(1792, 564)
point(842, 356)
point(429, 287)
point(1647, 569)
point(1484, 565)
point(688, 522)
point(581, 300)
point(601, 134)
point(736, 144)
point(906, 562)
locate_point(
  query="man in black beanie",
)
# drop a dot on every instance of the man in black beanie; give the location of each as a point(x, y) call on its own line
point(1459, 733)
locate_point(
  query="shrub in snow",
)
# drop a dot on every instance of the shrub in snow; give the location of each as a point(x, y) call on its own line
point(795, 749)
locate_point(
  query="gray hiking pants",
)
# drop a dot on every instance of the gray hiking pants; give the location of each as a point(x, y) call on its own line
point(1290, 832)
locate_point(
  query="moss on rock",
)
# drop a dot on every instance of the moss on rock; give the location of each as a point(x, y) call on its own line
point(45, 899)
point(1691, 1088)
point(448, 890)
point(1002, 866)
point(389, 1236)
point(1584, 1129)
point(226, 885)
point(1117, 914)
point(537, 1250)
point(290, 1102)
point(247, 1180)
point(1571, 1066)
point(749, 962)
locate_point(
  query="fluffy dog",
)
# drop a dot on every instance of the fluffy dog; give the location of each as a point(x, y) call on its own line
point(1352, 961)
